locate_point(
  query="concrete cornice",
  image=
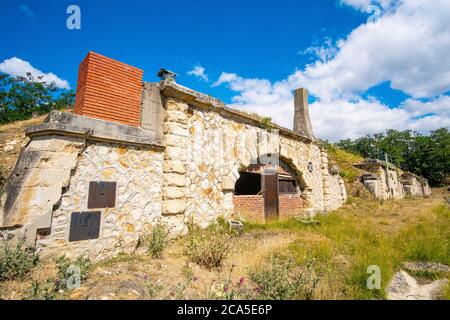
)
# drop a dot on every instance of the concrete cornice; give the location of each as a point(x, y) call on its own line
point(68, 124)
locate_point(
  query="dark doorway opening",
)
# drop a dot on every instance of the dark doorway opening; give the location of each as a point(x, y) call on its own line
point(248, 184)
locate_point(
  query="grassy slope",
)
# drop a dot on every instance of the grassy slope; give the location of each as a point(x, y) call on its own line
point(345, 161)
point(367, 233)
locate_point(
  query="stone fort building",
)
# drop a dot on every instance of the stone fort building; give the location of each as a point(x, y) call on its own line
point(134, 154)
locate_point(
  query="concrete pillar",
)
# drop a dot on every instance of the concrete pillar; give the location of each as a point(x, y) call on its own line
point(302, 121)
point(152, 110)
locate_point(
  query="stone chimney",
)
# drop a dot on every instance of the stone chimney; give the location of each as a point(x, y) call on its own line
point(302, 121)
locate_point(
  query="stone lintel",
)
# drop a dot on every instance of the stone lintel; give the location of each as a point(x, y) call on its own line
point(67, 124)
point(170, 89)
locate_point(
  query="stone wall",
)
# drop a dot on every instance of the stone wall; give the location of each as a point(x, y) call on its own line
point(41, 174)
point(338, 192)
point(386, 181)
point(51, 181)
point(178, 169)
point(205, 149)
point(415, 186)
point(138, 174)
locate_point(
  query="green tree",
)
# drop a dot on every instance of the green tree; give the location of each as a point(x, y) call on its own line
point(21, 97)
point(427, 156)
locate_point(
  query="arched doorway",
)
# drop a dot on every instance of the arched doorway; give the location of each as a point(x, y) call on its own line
point(263, 192)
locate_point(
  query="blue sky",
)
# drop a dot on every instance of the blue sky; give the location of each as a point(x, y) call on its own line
point(252, 54)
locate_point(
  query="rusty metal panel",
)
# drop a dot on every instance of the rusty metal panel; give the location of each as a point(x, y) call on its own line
point(270, 185)
point(102, 194)
point(84, 225)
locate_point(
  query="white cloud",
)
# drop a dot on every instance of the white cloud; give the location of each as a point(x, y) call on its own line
point(407, 47)
point(363, 5)
point(19, 68)
point(324, 53)
point(199, 72)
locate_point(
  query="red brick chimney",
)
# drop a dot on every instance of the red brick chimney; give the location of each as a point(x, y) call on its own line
point(109, 90)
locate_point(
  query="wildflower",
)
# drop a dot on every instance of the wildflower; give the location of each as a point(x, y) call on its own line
point(241, 281)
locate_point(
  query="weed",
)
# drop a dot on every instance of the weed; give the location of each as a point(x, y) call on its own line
point(68, 268)
point(152, 288)
point(208, 247)
point(266, 123)
point(46, 290)
point(282, 280)
point(158, 241)
point(16, 260)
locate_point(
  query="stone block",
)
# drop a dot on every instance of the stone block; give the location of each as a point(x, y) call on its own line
point(175, 105)
point(228, 184)
point(171, 166)
point(176, 116)
point(174, 179)
point(175, 129)
point(175, 140)
point(173, 206)
point(175, 153)
point(174, 192)
point(55, 144)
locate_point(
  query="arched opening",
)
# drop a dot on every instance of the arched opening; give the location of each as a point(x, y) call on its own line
point(249, 183)
point(263, 192)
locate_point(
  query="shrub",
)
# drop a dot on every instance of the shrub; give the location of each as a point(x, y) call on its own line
point(16, 261)
point(208, 247)
point(283, 281)
point(65, 272)
point(266, 123)
point(158, 241)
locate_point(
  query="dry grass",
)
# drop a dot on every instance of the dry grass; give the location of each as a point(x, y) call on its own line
point(343, 245)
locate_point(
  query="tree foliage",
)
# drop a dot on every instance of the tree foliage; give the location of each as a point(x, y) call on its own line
point(427, 156)
point(23, 97)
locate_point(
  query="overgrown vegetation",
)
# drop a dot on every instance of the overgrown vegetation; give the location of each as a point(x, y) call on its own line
point(16, 261)
point(266, 123)
point(158, 241)
point(346, 162)
point(43, 290)
point(349, 240)
point(427, 156)
point(68, 268)
point(279, 260)
point(285, 280)
point(208, 247)
point(23, 97)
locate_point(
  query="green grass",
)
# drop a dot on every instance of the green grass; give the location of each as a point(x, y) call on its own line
point(361, 241)
point(346, 162)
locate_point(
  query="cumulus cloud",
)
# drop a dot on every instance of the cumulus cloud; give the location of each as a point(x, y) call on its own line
point(407, 48)
point(199, 72)
point(19, 68)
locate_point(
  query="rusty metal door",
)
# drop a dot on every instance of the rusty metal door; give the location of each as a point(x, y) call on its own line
point(270, 187)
